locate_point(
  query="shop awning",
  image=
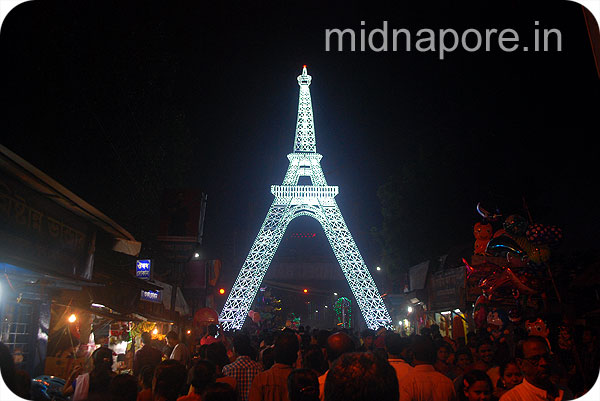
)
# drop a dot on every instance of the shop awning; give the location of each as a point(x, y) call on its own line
point(109, 277)
point(111, 314)
point(33, 283)
point(48, 187)
point(150, 317)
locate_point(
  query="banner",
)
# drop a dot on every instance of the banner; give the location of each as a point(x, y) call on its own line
point(446, 289)
point(182, 215)
point(199, 272)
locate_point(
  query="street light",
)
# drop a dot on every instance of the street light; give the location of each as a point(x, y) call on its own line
point(409, 309)
point(72, 318)
point(378, 268)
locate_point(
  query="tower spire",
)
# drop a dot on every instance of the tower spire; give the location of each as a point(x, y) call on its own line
point(304, 140)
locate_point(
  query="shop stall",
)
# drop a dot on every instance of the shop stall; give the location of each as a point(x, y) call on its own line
point(58, 257)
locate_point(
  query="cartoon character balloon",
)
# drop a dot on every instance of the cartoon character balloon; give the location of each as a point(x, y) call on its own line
point(515, 225)
point(538, 327)
point(497, 320)
point(483, 234)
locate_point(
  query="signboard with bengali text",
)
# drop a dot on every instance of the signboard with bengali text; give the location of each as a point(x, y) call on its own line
point(143, 269)
point(446, 289)
point(151, 296)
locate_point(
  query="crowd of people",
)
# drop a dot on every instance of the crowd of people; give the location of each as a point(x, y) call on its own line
point(336, 365)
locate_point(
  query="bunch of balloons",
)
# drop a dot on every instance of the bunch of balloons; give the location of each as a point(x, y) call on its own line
point(540, 234)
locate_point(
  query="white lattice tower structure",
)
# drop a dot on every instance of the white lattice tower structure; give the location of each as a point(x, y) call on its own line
point(293, 200)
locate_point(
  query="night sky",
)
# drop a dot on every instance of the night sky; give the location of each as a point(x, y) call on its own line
point(117, 101)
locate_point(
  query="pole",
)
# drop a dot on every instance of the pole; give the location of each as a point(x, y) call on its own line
point(206, 284)
point(553, 282)
point(175, 286)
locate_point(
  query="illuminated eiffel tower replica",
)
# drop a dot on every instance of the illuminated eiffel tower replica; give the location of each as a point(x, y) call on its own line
point(293, 200)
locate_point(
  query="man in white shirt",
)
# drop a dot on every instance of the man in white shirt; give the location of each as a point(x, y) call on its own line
point(180, 351)
point(534, 358)
point(423, 382)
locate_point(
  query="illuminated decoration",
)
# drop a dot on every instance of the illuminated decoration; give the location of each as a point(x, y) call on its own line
point(222, 291)
point(343, 312)
point(138, 328)
point(303, 235)
point(293, 321)
point(291, 201)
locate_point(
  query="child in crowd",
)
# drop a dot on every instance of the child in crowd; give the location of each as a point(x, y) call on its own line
point(476, 386)
point(510, 376)
point(145, 383)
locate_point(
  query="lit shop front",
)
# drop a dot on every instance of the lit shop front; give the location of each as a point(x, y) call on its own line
point(59, 256)
point(75, 333)
point(446, 304)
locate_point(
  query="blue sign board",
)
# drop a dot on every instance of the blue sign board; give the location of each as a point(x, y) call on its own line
point(142, 269)
point(151, 296)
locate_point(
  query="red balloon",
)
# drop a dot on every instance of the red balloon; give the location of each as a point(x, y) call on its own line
point(480, 311)
point(206, 316)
